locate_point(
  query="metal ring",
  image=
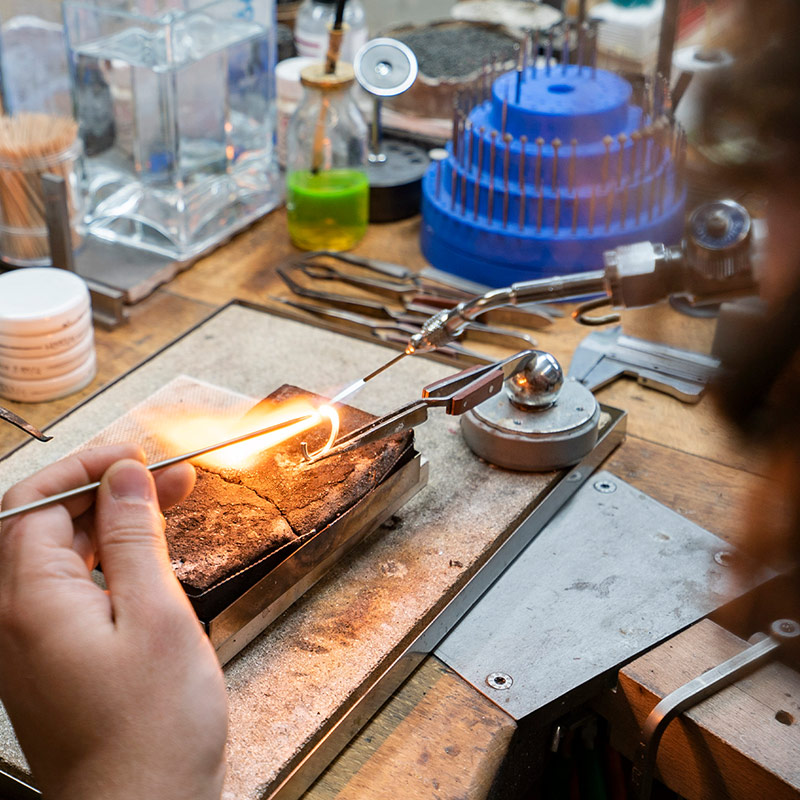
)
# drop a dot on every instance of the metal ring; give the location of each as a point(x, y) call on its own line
point(333, 418)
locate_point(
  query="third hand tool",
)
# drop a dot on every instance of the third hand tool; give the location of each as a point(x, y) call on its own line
point(712, 264)
point(456, 394)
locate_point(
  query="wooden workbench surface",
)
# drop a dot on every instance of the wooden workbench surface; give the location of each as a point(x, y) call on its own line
point(437, 737)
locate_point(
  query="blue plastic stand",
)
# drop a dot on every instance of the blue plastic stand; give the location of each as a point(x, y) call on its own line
point(541, 184)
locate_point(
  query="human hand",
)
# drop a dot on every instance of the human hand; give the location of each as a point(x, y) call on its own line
point(113, 694)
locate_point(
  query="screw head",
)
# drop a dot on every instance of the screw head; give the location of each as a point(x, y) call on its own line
point(724, 558)
point(499, 680)
point(605, 486)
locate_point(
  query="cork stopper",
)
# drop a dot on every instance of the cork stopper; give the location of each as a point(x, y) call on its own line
point(315, 77)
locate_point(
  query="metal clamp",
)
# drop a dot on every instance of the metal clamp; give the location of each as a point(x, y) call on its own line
point(695, 691)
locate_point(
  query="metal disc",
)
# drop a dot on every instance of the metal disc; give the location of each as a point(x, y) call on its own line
point(531, 440)
point(385, 67)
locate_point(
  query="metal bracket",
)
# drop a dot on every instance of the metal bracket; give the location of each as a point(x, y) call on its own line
point(604, 356)
point(695, 691)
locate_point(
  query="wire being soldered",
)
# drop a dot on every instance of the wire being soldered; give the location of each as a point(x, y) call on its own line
point(361, 382)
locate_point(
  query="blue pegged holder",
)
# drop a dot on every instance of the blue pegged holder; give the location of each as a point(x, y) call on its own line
point(555, 167)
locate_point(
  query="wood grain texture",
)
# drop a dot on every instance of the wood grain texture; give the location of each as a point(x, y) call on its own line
point(436, 738)
point(732, 745)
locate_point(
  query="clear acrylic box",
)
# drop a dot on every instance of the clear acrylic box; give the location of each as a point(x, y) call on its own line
point(176, 107)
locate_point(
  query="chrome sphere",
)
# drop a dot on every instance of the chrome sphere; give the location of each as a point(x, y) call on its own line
point(537, 383)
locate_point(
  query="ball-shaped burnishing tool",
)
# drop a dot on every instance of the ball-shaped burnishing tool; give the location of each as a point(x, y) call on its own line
point(537, 383)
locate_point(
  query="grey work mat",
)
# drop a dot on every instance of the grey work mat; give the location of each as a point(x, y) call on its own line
point(612, 574)
point(287, 686)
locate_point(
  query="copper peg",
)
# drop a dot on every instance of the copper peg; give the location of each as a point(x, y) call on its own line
point(610, 197)
point(476, 197)
point(636, 138)
point(555, 144)
point(623, 212)
point(523, 143)
point(574, 213)
point(592, 209)
point(537, 179)
point(573, 160)
point(607, 140)
point(492, 155)
point(539, 209)
point(557, 212)
point(506, 158)
point(621, 139)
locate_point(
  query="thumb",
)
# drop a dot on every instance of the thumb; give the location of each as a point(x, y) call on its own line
point(129, 530)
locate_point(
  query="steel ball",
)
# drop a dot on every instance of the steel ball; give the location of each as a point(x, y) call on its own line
point(537, 383)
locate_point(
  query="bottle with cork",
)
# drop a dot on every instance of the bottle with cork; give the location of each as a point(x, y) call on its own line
point(327, 197)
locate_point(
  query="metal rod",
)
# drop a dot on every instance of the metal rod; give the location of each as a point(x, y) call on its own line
point(555, 144)
point(621, 138)
point(523, 143)
point(623, 212)
point(666, 42)
point(610, 197)
point(573, 158)
point(535, 51)
point(506, 158)
point(476, 197)
point(592, 209)
point(565, 44)
point(557, 212)
point(492, 155)
point(575, 213)
point(539, 212)
point(90, 487)
point(607, 140)
point(548, 53)
point(636, 138)
point(537, 178)
point(504, 115)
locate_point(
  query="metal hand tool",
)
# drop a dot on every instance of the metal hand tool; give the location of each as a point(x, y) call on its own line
point(782, 633)
point(395, 330)
point(90, 487)
point(426, 304)
point(413, 317)
point(395, 289)
point(604, 356)
point(23, 424)
point(456, 394)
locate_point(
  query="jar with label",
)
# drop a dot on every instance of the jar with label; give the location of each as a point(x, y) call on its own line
point(314, 20)
point(327, 198)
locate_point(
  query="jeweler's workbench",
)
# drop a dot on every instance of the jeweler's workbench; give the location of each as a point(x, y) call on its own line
point(438, 736)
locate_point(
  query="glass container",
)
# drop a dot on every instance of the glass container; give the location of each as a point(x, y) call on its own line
point(176, 107)
point(327, 187)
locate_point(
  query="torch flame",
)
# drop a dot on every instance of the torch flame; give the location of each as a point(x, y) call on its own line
point(194, 432)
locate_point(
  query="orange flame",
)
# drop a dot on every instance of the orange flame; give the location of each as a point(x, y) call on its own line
point(195, 432)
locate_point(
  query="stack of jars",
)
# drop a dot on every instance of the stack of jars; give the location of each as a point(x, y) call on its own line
point(46, 335)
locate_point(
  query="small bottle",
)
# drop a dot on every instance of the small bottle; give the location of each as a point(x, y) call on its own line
point(314, 20)
point(327, 196)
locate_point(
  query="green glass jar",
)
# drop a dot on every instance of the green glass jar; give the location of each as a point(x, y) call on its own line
point(327, 198)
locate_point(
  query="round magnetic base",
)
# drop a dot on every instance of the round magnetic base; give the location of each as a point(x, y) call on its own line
point(534, 440)
point(395, 184)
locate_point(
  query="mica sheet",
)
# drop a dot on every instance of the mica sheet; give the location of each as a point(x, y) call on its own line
point(293, 678)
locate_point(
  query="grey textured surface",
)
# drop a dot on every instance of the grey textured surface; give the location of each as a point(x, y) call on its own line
point(609, 577)
point(291, 681)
